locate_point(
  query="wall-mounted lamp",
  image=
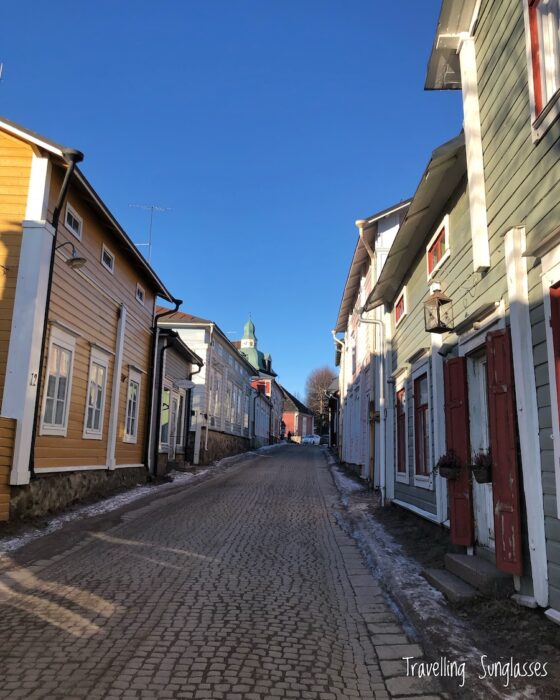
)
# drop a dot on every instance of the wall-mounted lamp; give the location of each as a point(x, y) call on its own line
point(438, 311)
point(75, 261)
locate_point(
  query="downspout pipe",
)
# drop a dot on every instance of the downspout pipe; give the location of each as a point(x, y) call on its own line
point(382, 447)
point(339, 438)
point(153, 370)
point(72, 157)
point(189, 407)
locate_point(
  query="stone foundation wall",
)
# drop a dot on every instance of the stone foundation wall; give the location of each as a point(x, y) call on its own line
point(53, 492)
point(222, 445)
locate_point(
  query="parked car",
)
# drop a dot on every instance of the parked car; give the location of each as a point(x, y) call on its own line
point(324, 440)
point(311, 440)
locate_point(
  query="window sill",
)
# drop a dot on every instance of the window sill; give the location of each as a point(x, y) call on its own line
point(402, 478)
point(92, 436)
point(130, 439)
point(546, 118)
point(444, 257)
point(423, 482)
point(52, 430)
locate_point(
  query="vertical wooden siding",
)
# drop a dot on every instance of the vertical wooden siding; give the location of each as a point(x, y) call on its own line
point(7, 435)
point(15, 168)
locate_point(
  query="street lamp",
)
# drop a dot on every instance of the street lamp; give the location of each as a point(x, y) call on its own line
point(75, 261)
point(438, 311)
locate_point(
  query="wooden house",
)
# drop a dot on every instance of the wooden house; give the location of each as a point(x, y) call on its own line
point(505, 59)
point(297, 418)
point(77, 310)
point(359, 349)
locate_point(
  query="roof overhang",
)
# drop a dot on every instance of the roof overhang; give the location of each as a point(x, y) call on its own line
point(457, 19)
point(446, 169)
point(58, 151)
point(361, 257)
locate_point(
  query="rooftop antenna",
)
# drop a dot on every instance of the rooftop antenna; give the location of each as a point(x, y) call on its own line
point(1, 71)
point(151, 208)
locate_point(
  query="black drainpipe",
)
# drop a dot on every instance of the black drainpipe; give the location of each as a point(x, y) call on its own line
point(155, 329)
point(72, 158)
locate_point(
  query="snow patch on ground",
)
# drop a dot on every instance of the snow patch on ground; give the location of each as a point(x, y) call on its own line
point(10, 544)
point(402, 578)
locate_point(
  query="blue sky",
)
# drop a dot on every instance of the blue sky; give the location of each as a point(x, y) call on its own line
point(265, 126)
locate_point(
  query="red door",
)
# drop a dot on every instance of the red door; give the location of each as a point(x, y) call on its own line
point(503, 442)
point(457, 439)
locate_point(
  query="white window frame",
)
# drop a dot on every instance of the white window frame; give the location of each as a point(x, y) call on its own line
point(167, 386)
point(443, 225)
point(140, 294)
point(70, 209)
point(133, 376)
point(180, 430)
point(98, 357)
point(110, 268)
point(540, 123)
point(405, 312)
point(402, 477)
point(418, 369)
point(66, 342)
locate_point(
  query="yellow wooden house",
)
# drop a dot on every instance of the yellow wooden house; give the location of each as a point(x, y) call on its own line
point(77, 320)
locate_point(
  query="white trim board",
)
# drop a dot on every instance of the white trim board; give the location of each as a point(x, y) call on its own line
point(527, 408)
point(418, 511)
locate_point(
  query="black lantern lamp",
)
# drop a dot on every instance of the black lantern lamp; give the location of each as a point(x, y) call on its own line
point(438, 312)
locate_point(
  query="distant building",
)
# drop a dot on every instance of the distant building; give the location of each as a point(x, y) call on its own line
point(264, 378)
point(297, 418)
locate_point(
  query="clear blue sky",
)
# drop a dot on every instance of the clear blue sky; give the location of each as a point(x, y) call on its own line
point(267, 127)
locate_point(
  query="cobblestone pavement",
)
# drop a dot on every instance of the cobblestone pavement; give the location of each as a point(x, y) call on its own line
point(242, 587)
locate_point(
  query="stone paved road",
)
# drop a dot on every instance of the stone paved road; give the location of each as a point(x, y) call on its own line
point(241, 588)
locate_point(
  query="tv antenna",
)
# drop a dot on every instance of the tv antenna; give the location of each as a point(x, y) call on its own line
point(151, 208)
point(1, 71)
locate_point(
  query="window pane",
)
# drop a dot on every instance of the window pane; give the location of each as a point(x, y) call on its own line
point(49, 406)
point(59, 415)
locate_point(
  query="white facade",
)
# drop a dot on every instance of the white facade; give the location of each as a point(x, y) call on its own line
point(361, 351)
point(222, 392)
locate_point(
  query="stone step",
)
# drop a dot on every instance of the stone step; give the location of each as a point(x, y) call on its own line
point(452, 587)
point(481, 574)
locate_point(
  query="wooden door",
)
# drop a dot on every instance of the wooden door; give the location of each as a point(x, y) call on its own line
point(503, 442)
point(457, 439)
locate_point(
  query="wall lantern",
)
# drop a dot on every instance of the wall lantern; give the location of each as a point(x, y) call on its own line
point(438, 312)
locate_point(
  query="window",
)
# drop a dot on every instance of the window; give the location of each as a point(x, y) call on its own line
point(437, 250)
point(140, 294)
point(58, 384)
point(542, 24)
point(164, 420)
point(73, 221)
point(421, 426)
point(107, 259)
point(132, 407)
point(95, 398)
point(401, 433)
point(400, 307)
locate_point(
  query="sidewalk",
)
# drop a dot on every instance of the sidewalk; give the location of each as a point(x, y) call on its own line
point(389, 540)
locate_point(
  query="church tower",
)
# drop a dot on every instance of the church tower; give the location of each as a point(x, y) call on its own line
point(249, 339)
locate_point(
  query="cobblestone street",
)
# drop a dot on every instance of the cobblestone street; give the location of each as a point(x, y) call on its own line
point(240, 587)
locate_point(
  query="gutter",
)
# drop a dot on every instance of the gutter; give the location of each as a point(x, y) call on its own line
point(72, 158)
point(152, 371)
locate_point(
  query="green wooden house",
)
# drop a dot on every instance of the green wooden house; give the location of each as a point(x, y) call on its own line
point(505, 58)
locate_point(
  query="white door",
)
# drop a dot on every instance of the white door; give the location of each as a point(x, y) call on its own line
point(174, 411)
point(480, 441)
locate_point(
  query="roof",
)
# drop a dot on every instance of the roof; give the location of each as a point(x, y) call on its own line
point(182, 347)
point(446, 169)
point(181, 319)
point(291, 404)
point(249, 331)
point(360, 257)
point(456, 18)
point(58, 150)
